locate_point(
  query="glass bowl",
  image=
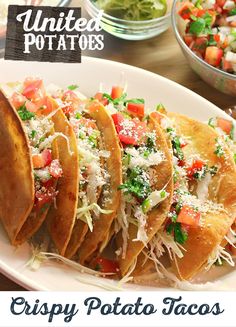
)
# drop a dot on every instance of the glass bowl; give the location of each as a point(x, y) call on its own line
point(219, 79)
point(131, 30)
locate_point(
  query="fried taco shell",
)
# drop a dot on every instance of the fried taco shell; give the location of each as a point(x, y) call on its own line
point(102, 225)
point(206, 237)
point(61, 218)
point(16, 171)
point(155, 218)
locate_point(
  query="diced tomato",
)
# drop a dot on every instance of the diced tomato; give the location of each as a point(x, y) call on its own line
point(71, 102)
point(199, 45)
point(220, 3)
point(217, 38)
point(183, 143)
point(232, 24)
point(101, 99)
point(18, 100)
point(44, 197)
point(157, 116)
point(116, 92)
point(181, 163)
point(188, 39)
point(136, 109)
point(106, 266)
point(225, 124)
point(213, 55)
point(50, 105)
point(34, 90)
point(130, 131)
point(55, 169)
point(186, 10)
point(197, 166)
point(188, 216)
point(118, 118)
point(42, 159)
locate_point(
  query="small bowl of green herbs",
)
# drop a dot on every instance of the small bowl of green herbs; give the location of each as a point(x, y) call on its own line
point(132, 19)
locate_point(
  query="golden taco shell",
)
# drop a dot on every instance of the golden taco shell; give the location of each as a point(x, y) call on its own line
point(16, 171)
point(156, 217)
point(61, 217)
point(95, 239)
point(205, 238)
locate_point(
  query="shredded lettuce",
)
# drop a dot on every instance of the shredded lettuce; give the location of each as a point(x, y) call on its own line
point(84, 213)
point(218, 255)
point(38, 257)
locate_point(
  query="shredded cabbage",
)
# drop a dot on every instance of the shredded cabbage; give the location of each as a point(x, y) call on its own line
point(84, 213)
point(39, 257)
point(218, 255)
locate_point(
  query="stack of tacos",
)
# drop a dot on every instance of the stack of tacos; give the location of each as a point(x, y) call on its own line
point(120, 189)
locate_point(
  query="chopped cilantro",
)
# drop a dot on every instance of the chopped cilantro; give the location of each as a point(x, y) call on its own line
point(93, 138)
point(197, 26)
point(178, 207)
point(136, 184)
point(33, 134)
point(163, 194)
point(201, 25)
point(78, 115)
point(211, 122)
point(136, 101)
point(116, 101)
point(180, 236)
point(146, 205)
point(126, 159)
point(43, 138)
point(232, 12)
point(211, 40)
point(219, 150)
point(176, 175)
point(200, 174)
point(160, 107)
point(24, 113)
point(177, 148)
point(72, 87)
point(151, 141)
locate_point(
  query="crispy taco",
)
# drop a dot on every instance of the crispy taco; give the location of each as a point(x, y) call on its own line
point(147, 176)
point(30, 163)
point(100, 173)
point(204, 200)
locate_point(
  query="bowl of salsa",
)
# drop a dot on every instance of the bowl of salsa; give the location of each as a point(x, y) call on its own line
point(206, 32)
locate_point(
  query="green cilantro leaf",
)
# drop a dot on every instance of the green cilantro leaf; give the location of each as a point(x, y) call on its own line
point(136, 101)
point(24, 113)
point(180, 236)
point(232, 12)
point(136, 183)
point(73, 87)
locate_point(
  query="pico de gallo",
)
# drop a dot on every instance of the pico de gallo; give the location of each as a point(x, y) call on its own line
point(34, 107)
point(211, 31)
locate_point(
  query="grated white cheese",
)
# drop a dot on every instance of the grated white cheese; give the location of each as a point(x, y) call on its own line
point(137, 159)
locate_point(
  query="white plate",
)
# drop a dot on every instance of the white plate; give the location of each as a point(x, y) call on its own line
point(88, 75)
